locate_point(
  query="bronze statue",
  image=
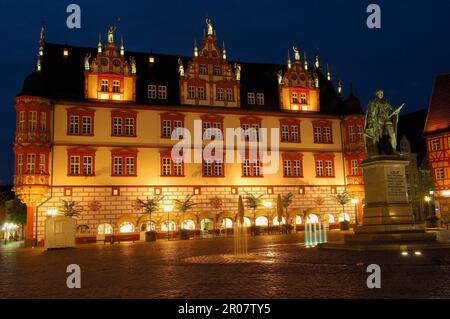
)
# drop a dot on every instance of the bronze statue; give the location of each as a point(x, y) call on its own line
point(381, 126)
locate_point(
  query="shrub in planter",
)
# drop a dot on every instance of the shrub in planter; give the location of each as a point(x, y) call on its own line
point(344, 225)
point(150, 236)
point(431, 221)
point(184, 234)
point(255, 231)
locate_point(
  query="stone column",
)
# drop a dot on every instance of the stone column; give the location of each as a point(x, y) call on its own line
point(29, 238)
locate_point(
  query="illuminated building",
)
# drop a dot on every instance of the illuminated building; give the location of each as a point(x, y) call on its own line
point(94, 126)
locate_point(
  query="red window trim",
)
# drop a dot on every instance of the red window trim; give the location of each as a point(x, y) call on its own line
point(110, 78)
point(31, 150)
point(291, 156)
point(171, 116)
point(167, 154)
point(212, 118)
point(80, 112)
point(123, 115)
point(322, 124)
point(81, 152)
point(213, 164)
point(123, 153)
point(349, 165)
point(324, 157)
point(299, 91)
point(290, 123)
point(251, 167)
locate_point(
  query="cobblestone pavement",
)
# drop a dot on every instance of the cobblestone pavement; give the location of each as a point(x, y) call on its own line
point(281, 268)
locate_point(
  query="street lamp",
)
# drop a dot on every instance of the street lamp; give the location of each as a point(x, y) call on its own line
point(355, 202)
point(168, 209)
point(268, 205)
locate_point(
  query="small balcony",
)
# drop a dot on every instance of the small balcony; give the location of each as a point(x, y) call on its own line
point(31, 179)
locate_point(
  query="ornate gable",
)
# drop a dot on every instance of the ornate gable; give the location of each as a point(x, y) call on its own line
point(209, 79)
point(298, 87)
point(110, 76)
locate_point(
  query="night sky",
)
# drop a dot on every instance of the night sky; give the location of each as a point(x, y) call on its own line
point(403, 57)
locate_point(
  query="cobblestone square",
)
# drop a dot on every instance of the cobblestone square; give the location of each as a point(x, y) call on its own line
point(280, 267)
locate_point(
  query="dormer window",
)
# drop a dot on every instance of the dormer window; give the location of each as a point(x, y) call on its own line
point(105, 86)
point(260, 98)
point(217, 70)
point(303, 98)
point(203, 69)
point(294, 97)
point(116, 86)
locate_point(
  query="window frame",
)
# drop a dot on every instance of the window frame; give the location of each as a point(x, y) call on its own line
point(81, 154)
point(123, 116)
point(123, 154)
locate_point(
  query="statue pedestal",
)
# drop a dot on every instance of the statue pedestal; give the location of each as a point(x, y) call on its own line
point(388, 217)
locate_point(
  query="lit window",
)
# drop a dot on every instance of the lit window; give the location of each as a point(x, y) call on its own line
point(189, 224)
point(329, 168)
point(326, 132)
point(166, 163)
point(436, 145)
point(330, 219)
point(354, 167)
point(294, 133)
point(129, 166)
point(317, 134)
point(360, 134)
point(246, 168)
point(129, 126)
point(251, 98)
point(178, 128)
point(104, 229)
point(21, 121)
point(230, 95)
point(116, 87)
point(41, 163)
point(211, 129)
point(294, 97)
point(74, 165)
point(287, 168)
point(261, 221)
point(168, 226)
point(87, 165)
point(297, 168)
point(201, 93)
point(74, 124)
point(191, 92)
point(220, 94)
point(171, 167)
point(126, 227)
point(439, 173)
point(285, 133)
point(319, 168)
point(118, 168)
point(166, 129)
point(152, 92)
point(275, 221)
point(177, 167)
point(31, 162)
point(32, 120)
point(344, 217)
point(227, 223)
point(217, 70)
point(117, 126)
point(312, 219)
point(351, 134)
point(260, 98)
point(19, 164)
point(303, 99)
point(256, 165)
point(298, 220)
point(162, 92)
point(203, 69)
point(86, 125)
point(105, 86)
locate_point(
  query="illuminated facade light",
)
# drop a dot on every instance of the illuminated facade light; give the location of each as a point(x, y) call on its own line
point(269, 190)
point(151, 59)
point(234, 190)
point(157, 191)
point(417, 253)
point(116, 191)
point(52, 212)
point(196, 190)
point(66, 52)
point(446, 193)
point(301, 190)
point(67, 191)
point(405, 253)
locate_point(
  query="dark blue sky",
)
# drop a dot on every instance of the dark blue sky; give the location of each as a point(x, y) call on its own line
point(403, 57)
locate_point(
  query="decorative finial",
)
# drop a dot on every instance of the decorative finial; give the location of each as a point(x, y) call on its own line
point(42, 35)
point(122, 48)
point(339, 87)
point(305, 61)
point(328, 73)
point(111, 34)
point(289, 60)
point(133, 65)
point(195, 48)
point(280, 76)
point(180, 67)
point(224, 51)
point(209, 27)
point(38, 64)
point(86, 61)
point(316, 60)
point(99, 46)
point(296, 53)
point(237, 67)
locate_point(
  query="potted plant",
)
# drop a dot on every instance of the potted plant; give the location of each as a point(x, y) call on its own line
point(286, 201)
point(343, 199)
point(253, 202)
point(183, 205)
point(149, 206)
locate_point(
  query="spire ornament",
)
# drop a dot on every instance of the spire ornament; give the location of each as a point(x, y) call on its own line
point(111, 31)
point(209, 27)
point(316, 60)
point(328, 73)
point(339, 86)
point(180, 67)
point(195, 48)
point(224, 51)
point(122, 47)
point(86, 61)
point(296, 53)
point(99, 46)
point(289, 60)
point(305, 61)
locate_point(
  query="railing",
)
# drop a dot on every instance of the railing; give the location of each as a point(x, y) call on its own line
point(32, 136)
point(31, 179)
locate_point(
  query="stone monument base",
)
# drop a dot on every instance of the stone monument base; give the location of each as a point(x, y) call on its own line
point(388, 217)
